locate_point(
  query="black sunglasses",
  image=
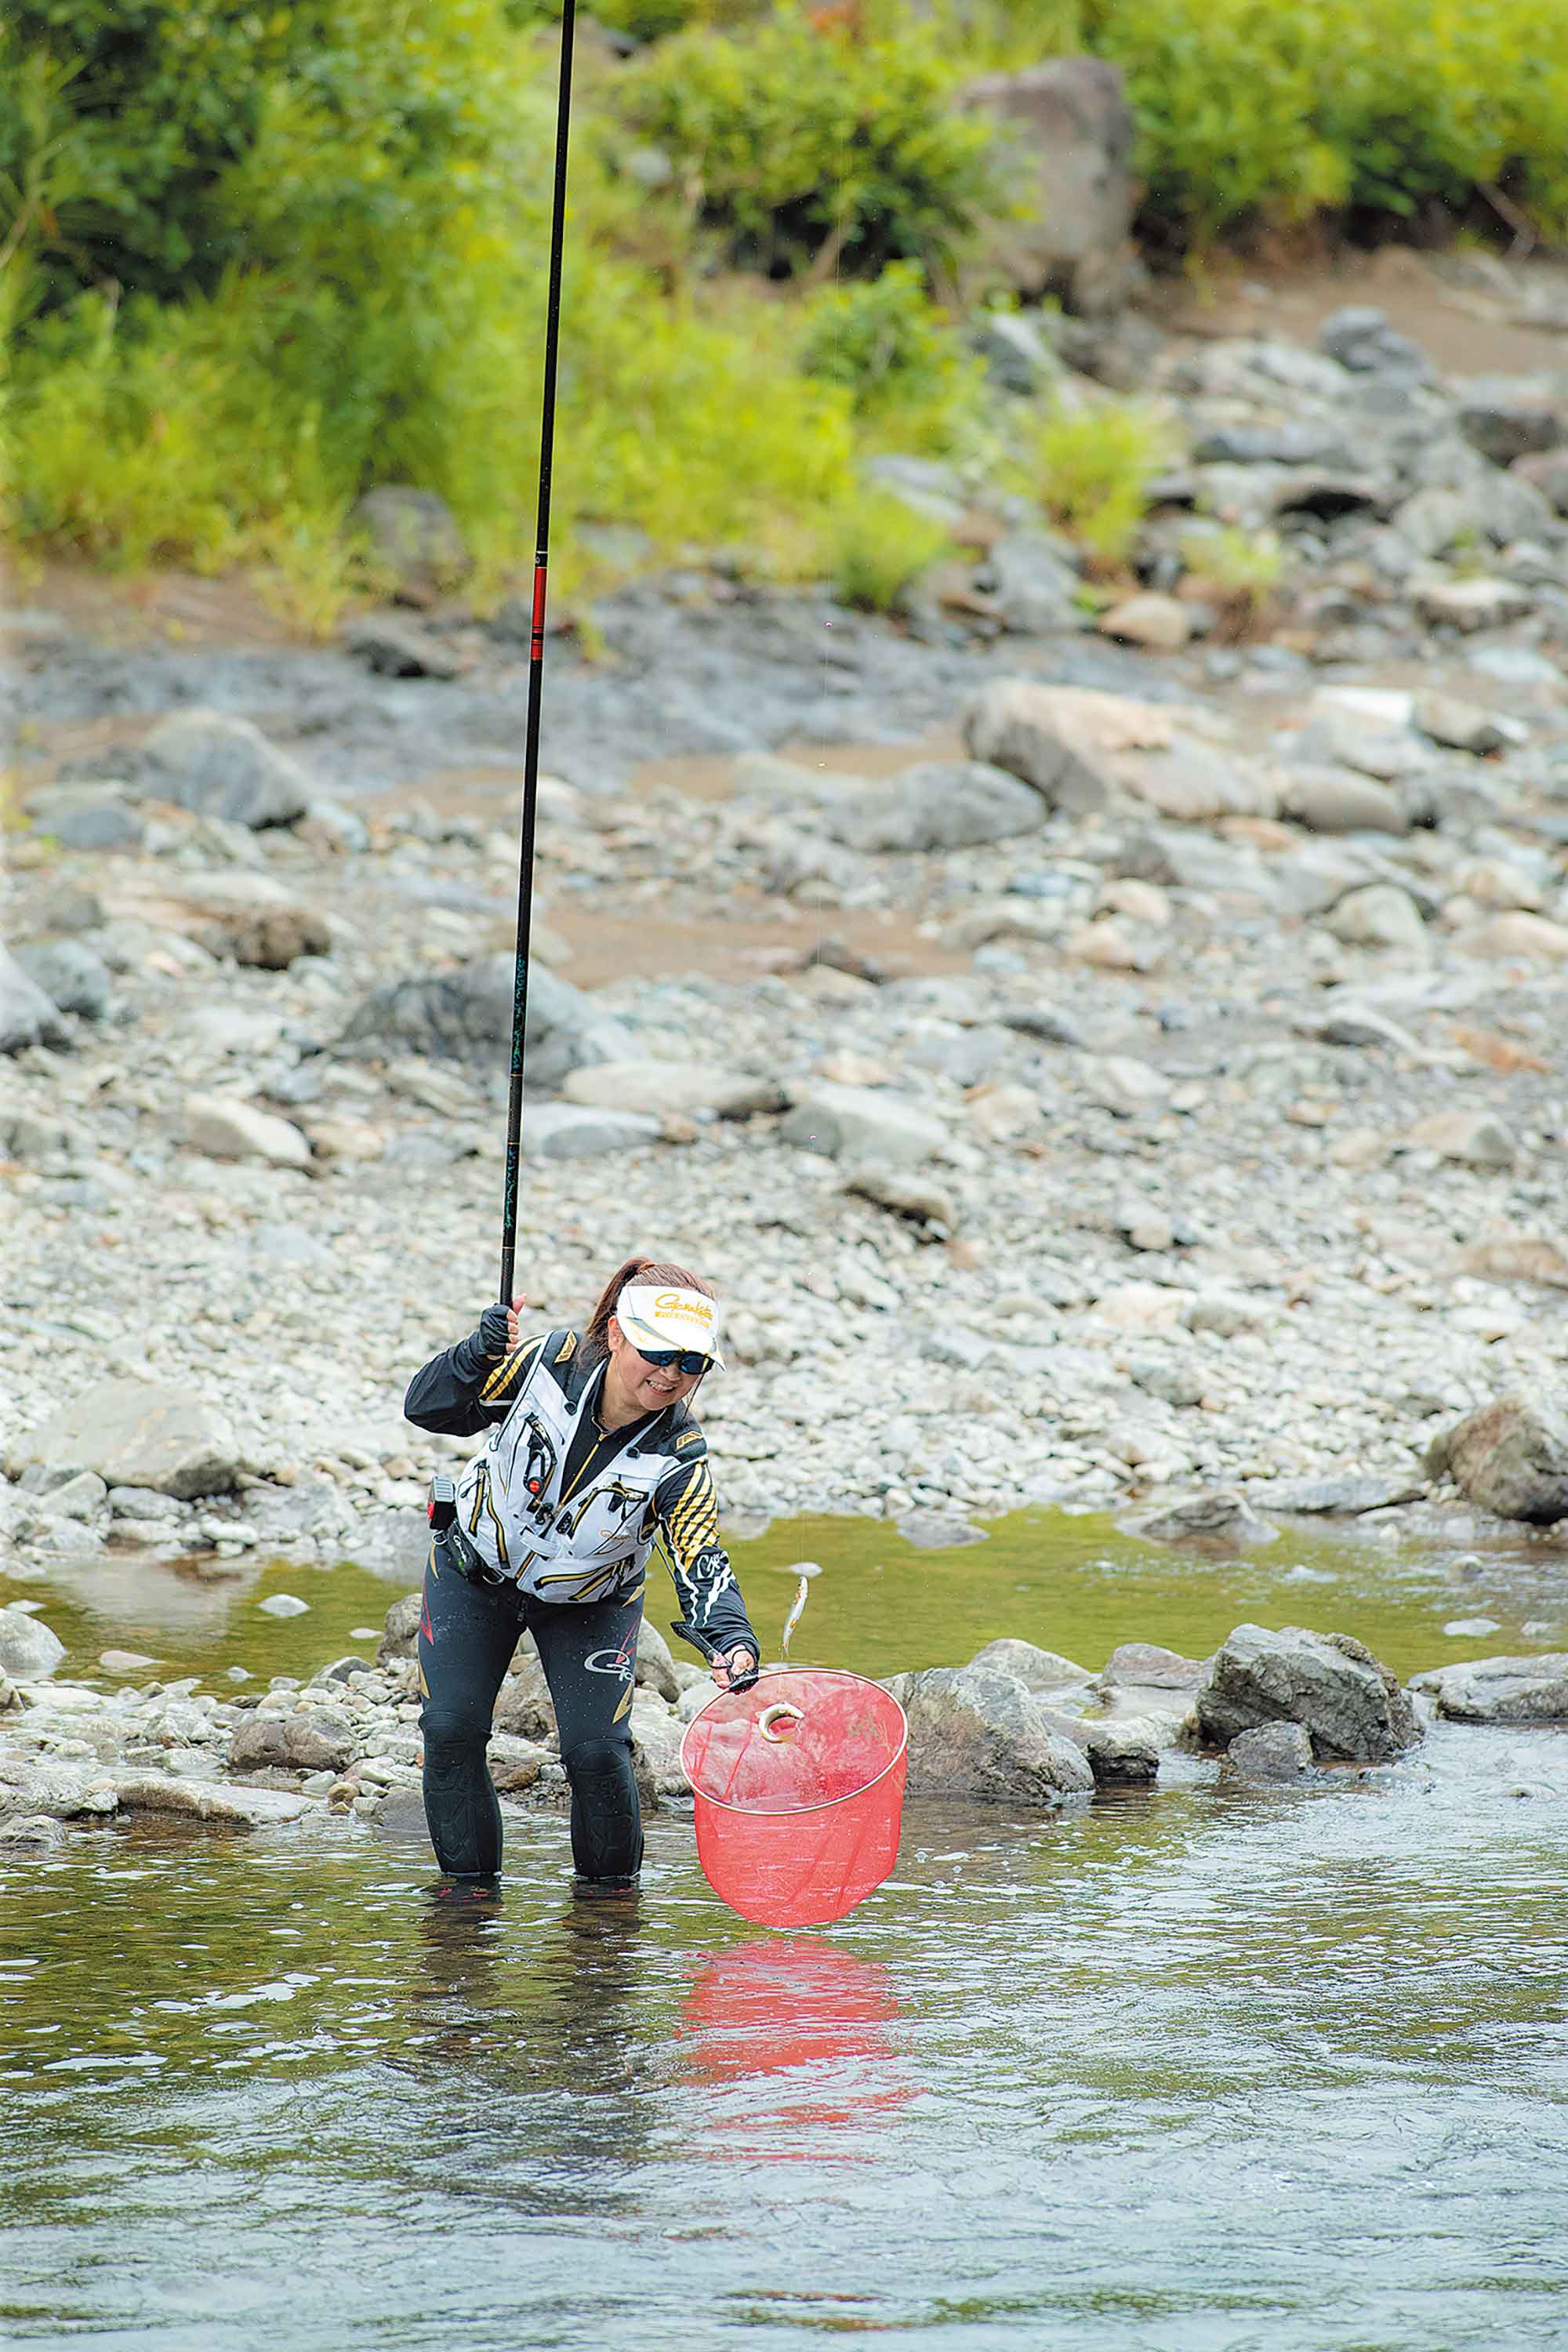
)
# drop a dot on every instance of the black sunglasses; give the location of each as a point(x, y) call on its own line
point(686, 1360)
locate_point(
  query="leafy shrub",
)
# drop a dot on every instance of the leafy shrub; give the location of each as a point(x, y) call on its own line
point(896, 354)
point(877, 546)
point(811, 144)
point(1239, 572)
point(1091, 472)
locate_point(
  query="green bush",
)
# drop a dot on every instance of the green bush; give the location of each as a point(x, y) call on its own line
point(1249, 110)
point(877, 546)
point(1091, 472)
point(895, 353)
point(810, 146)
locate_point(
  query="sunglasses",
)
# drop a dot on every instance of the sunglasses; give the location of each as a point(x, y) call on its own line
point(688, 1361)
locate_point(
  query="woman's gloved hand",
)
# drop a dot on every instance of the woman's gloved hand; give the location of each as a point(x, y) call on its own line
point(501, 1328)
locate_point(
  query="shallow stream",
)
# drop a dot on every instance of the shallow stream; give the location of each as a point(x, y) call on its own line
point(1198, 2069)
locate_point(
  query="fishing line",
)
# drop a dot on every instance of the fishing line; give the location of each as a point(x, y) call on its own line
point(536, 661)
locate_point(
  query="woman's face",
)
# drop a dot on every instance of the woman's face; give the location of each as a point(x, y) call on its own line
point(649, 1388)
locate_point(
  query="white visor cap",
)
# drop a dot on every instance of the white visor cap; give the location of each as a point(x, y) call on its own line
point(659, 1314)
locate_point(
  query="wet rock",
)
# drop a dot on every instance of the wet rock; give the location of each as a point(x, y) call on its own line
point(654, 1665)
point(208, 1801)
point(223, 766)
point(1336, 1497)
point(400, 1637)
point(938, 1531)
point(1224, 1515)
point(1348, 1702)
point(1036, 1669)
point(311, 1739)
point(276, 1604)
point(1076, 129)
point(868, 1124)
point(937, 805)
point(61, 1792)
point(28, 1017)
point(658, 1090)
point(1511, 1457)
point(1471, 1138)
point(40, 1831)
point(655, 1748)
point(1122, 1755)
point(1502, 1690)
point(523, 1705)
point(979, 1734)
point(28, 1651)
point(413, 537)
point(1272, 1751)
point(515, 1765)
point(69, 974)
point(225, 1127)
point(135, 1433)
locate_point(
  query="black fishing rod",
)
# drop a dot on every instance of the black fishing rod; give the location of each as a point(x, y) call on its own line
point(536, 665)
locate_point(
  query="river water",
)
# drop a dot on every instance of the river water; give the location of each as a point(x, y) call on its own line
point(1197, 2068)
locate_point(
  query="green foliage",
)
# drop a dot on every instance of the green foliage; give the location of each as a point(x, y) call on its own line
point(1091, 471)
point(877, 546)
point(1251, 110)
point(894, 352)
point(813, 144)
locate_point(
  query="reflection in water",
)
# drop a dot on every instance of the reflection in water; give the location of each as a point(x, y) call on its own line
point(793, 2035)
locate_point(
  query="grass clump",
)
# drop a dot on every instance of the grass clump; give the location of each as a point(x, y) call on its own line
point(1239, 572)
point(1091, 471)
point(878, 547)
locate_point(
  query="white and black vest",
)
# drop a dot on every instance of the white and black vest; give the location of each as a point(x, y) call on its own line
point(592, 1542)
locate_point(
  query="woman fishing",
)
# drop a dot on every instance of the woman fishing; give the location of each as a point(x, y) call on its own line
point(591, 1457)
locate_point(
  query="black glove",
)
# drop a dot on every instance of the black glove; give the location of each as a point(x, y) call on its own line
point(494, 1333)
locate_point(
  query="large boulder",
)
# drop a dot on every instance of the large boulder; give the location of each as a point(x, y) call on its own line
point(1502, 1690)
point(1332, 1684)
point(1036, 1669)
point(937, 805)
point(223, 766)
point(863, 1123)
point(28, 1017)
point(400, 1633)
point(450, 1016)
point(1074, 131)
point(70, 975)
point(135, 1433)
point(28, 1651)
point(311, 1739)
point(975, 1734)
point(1511, 1457)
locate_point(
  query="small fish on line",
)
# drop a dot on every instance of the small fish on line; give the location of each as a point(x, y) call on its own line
point(796, 1609)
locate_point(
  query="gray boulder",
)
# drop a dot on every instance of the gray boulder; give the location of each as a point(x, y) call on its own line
point(1362, 341)
point(28, 1017)
point(1224, 1515)
point(558, 1131)
point(938, 805)
point(450, 1016)
point(69, 974)
point(655, 1666)
point(208, 1801)
point(400, 1635)
point(1502, 1690)
point(1146, 1666)
point(1027, 727)
point(311, 1739)
point(863, 1124)
point(135, 1433)
point(1511, 1457)
point(1273, 1751)
point(1032, 586)
point(1074, 131)
point(1037, 1670)
point(1348, 1702)
point(28, 1651)
point(524, 1707)
point(223, 766)
point(939, 1531)
point(88, 816)
point(974, 1734)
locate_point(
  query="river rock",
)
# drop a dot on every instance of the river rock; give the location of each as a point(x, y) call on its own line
point(1149, 1666)
point(1224, 1515)
point(1122, 1082)
point(1460, 726)
point(28, 1017)
point(413, 537)
point(938, 1531)
point(1075, 132)
point(225, 1127)
point(557, 1130)
point(311, 1739)
point(223, 766)
point(523, 1704)
point(135, 1433)
point(1336, 1497)
point(40, 1831)
point(974, 1734)
point(1029, 584)
point(1037, 1670)
point(1348, 1702)
point(938, 805)
point(208, 1800)
point(1160, 624)
point(1380, 916)
point(1469, 1138)
point(451, 1015)
point(397, 648)
point(62, 1792)
point(28, 1651)
point(88, 816)
point(1336, 800)
point(1124, 1754)
point(1473, 603)
point(1362, 339)
point(1516, 1257)
point(70, 975)
point(1511, 1457)
point(868, 1124)
point(515, 1765)
point(655, 1748)
point(400, 1636)
point(659, 1089)
point(1059, 737)
point(1271, 1751)
point(1532, 939)
point(1508, 418)
point(656, 1666)
point(1502, 1690)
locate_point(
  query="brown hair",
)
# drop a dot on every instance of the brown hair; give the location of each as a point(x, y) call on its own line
point(595, 1340)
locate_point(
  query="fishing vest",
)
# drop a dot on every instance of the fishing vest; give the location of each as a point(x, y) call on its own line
point(594, 1542)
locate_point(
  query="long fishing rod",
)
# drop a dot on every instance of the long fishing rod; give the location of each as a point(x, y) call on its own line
point(536, 665)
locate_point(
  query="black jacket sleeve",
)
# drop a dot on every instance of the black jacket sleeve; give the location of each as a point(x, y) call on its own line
point(686, 1508)
point(463, 1391)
